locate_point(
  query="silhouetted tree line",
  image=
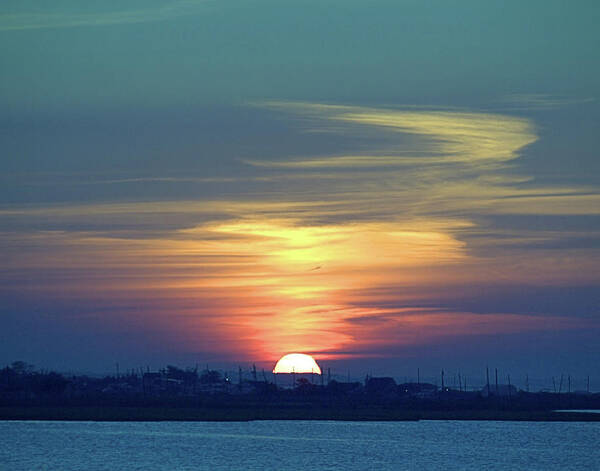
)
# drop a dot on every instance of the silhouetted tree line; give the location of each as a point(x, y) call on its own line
point(21, 384)
point(20, 377)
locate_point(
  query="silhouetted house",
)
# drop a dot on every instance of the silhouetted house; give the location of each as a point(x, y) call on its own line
point(159, 383)
point(248, 387)
point(151, 383)
point(504, 390)
point(211, 377)
point(173, 386)
point(118, 389)
point(343, 388)
point(262, 387)
point(213, 382)
point(381, 386)
point(422, 390)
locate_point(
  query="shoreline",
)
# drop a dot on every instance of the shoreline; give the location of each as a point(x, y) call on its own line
point(175, 414)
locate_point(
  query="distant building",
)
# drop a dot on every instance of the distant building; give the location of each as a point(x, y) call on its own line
point(160, 383)
point(383, 385)
point(422, 390)
point(503, 390)
point(344, 388)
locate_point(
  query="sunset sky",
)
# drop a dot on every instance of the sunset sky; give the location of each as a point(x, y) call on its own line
point(385, 185)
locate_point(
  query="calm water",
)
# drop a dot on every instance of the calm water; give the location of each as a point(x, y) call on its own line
point(298, 445)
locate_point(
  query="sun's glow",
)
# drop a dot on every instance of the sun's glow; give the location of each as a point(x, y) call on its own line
point(337, 262)
point(297, 363)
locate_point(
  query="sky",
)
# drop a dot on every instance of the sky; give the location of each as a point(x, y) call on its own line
point(386, 185)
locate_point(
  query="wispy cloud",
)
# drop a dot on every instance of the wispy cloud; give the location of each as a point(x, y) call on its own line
point(452, 162)
point(448, 136)
point(52, 18)
point(540, 101)
point(390, 226)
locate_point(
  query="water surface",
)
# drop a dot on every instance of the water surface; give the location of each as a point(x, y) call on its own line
point(298, 445)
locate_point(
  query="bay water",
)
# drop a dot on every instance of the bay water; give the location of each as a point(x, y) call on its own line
point(298, 445)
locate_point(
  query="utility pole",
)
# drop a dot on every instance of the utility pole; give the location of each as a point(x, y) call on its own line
point(487, 378)
point(588, 384)
point(253, 371)
point(560, 385)
point(496, 381)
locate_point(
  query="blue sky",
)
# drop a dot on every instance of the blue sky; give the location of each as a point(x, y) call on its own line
point(373, 182)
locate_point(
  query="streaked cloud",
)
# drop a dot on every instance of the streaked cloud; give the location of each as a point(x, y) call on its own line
point(458, 163)
point(389, 228)
point(55, 19)
point(541, 101)
point(451, 136)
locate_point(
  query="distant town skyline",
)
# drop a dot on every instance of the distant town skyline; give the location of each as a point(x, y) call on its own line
point(384, 185)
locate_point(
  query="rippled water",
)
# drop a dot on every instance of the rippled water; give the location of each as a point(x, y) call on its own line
point(298, 445)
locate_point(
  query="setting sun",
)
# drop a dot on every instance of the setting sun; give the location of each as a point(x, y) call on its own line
point(297, 363)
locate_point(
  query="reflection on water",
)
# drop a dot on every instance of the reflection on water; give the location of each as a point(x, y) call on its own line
point(298, 445)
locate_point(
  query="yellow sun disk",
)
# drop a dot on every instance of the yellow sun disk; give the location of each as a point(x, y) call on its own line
point(297, 363)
